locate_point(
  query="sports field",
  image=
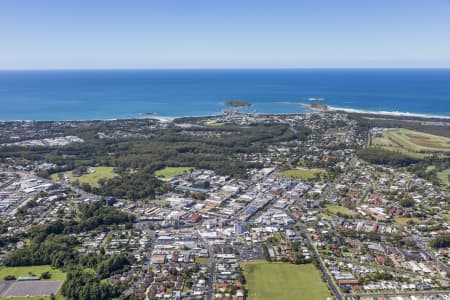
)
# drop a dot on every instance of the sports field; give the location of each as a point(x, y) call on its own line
point(417, 141)
point(56, 274)
point(302, 173)
point(168, 172)
point(32, 288)
point(91, 178)
point(415, 144)
point(267, 281)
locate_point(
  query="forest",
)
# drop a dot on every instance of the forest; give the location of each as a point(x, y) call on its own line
point(53, 244)
point(136, 158)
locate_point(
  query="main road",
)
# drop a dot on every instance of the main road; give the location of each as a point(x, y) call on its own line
point(328, 277)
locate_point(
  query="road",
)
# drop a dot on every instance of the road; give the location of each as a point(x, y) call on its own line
point(212, 269)
point(401, 293)
point(422, 245)
point(328, 277)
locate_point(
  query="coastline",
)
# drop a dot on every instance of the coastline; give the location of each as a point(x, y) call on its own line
point(168, 119)
point(387, 113)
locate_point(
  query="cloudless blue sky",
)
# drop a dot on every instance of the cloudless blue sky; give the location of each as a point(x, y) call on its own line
point(55, 34)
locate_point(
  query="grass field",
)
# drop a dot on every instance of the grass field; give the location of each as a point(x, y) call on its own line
point(266, 281)
point(430, 168)
point(404, 221)
point(302, 173)
point(443, 176)
point(335, 132)
point(389, 145)
point(446, 217)
point(92, 178)
point(334, 209)
point(412, 143)
point(35, 270)
point(417, 141)
point(202, 260)
point(168, 172)
point(214, 124)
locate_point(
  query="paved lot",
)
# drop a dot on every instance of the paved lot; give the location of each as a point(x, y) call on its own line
point(31, 288)
point(4, 284)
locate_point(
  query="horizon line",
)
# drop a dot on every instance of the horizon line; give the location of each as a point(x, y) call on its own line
point(223, 68)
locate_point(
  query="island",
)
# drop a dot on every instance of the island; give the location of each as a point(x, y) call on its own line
point(238, 103)
point(319, 107)
point(148, 114)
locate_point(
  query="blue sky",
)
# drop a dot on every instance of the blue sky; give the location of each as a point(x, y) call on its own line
point(64, 34)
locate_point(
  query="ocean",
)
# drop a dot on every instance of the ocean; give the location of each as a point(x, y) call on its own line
point(114, 94)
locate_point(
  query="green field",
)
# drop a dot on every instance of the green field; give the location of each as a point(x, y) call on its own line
point(417, 141)
point(56, 274)
point(168, 172)
point(335, 209)
point(443, 176)
point(202, 260)
point(92, 178)
point(214, 124)
point(266, 281)
point(405, 220)
point(302, 173)
point(430, 168)
point(446, 217)
point(387, 144)
point(412, 143)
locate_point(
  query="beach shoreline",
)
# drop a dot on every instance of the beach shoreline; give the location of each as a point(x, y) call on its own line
point(310, 110)
point(387, 113)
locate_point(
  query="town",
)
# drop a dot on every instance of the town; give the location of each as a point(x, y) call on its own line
point(299, 204)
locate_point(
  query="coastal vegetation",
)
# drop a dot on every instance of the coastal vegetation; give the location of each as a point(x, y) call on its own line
point(267, 280)
point(317, 106)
